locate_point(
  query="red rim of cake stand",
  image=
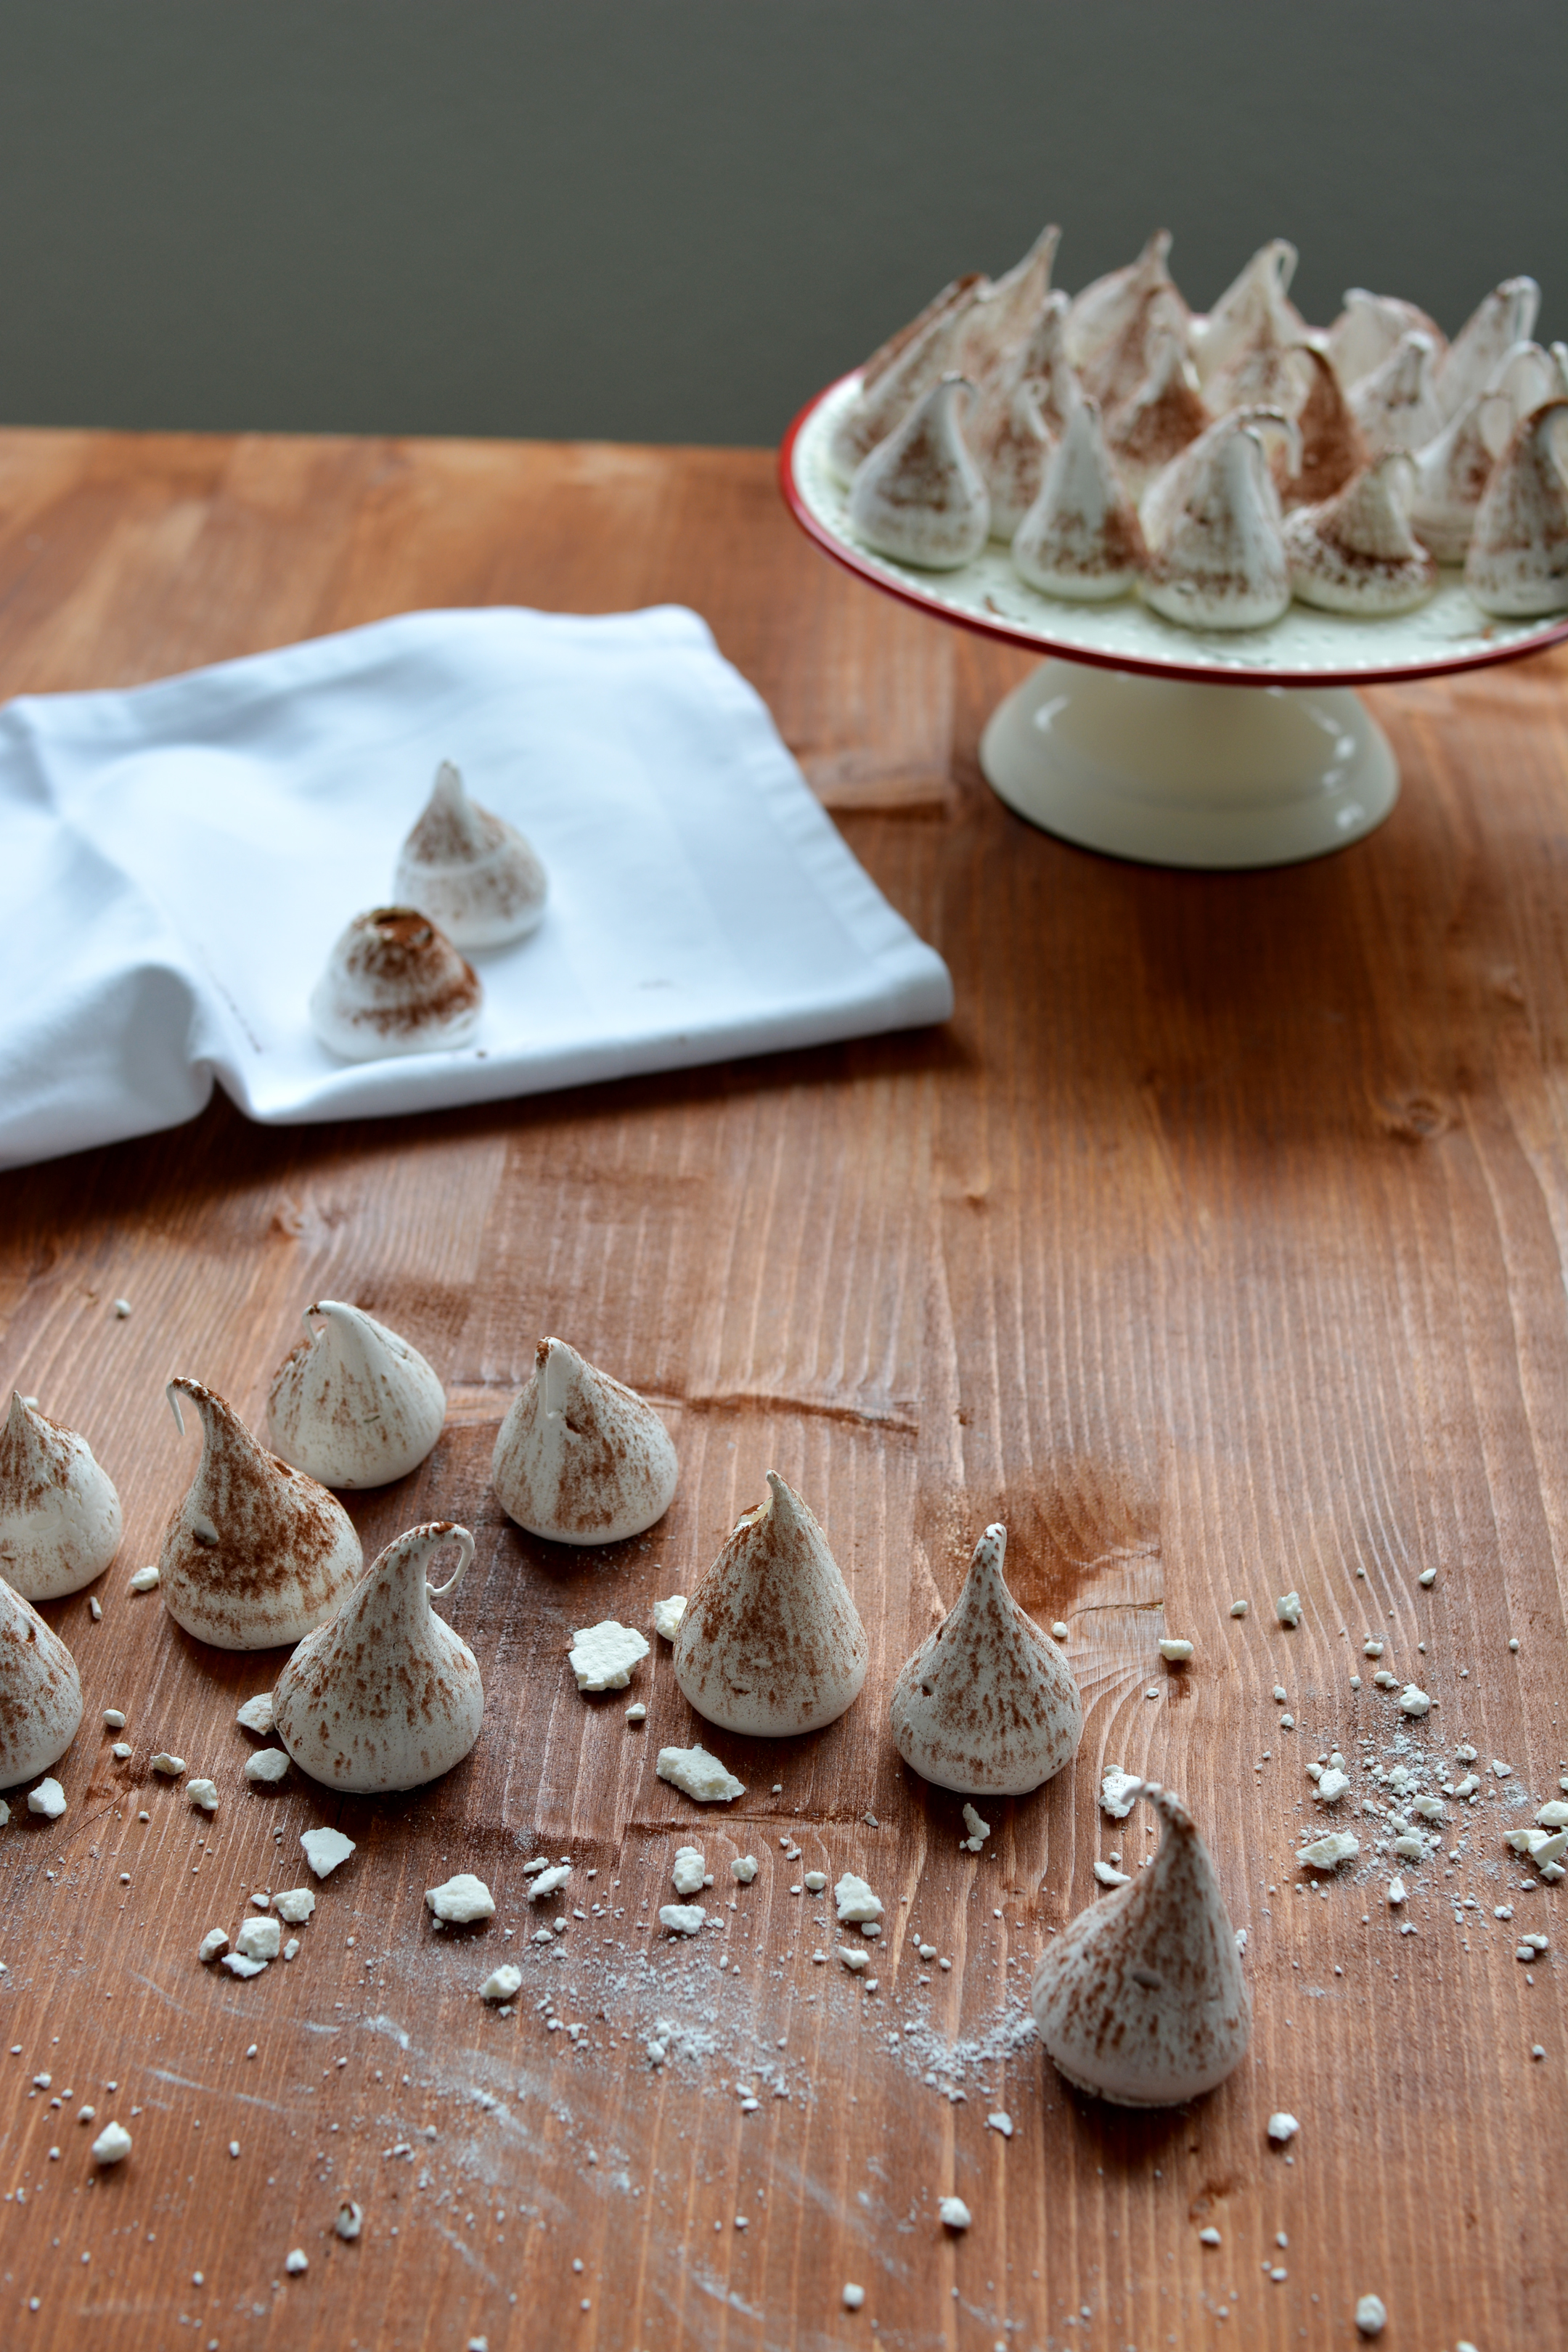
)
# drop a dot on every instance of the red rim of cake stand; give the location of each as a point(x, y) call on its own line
point(1551, 633)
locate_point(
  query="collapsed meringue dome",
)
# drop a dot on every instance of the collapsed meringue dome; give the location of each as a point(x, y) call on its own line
point(470, 871)
point(394, 984)
point(40, 1692)
point(920, 496)
point(987, 1705)
point(256, 1554)
point(770, 1642)
point(353, 1406)
point(1356, 552)
point(386, 1695)
point(1216, 554)
point(1517, 561)
point(1142, 2001)
point(60, 1514)
point(582, 1459)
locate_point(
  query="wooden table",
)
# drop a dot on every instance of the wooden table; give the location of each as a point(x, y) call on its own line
point(1218, 1246)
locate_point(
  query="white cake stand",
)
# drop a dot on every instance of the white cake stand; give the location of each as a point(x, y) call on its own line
point(1135, 739)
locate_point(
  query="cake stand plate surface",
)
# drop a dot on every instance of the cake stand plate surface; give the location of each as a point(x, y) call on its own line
point(1134, 740)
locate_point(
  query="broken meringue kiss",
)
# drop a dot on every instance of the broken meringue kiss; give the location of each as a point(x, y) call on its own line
point(394, 984)
point(60, 1514)
point(987, 1705)
point(256, 1554)
point(353, 1406)
point(386, 1695)
point(469, 871)
point(1141, 2001)
point(40, 1691)
point(581, 1458)
point(770, 1642)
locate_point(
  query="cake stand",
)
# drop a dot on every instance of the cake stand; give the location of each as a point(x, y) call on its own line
point(1138, 737)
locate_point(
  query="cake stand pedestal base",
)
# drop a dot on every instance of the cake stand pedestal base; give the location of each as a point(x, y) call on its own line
point(1173, 774)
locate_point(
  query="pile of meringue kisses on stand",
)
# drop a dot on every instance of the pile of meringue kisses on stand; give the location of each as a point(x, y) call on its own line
point(1218, 465)
point(396, 981)
point(1141, 2001)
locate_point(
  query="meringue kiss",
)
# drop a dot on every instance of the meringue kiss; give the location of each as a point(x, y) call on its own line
point(386, 1695)
point(581, 1458)
point(394, 984)
point(1216, 556)
point(1141, 2001)
point(1081, 539)
point(987, 1705)
point(1517, 563)
point(1356, 552)
point(257, 1553)
point(902, 374)
point(60, 1514)
point(353, 1406)
point(920, 496)
point(468, 870)
point(770, 1642)
point(40, 1692)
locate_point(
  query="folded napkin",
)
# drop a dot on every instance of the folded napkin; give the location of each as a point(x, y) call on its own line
point(179, 859)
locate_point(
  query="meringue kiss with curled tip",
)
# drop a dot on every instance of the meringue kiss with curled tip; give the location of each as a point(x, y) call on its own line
point(1254, 312)
point(1333, 450)
point(1368, 328)
point(1081, 538)
point(1163, 417)
point(1112, 323)
point(987, 1705)
point(1356, 552)
point(1216, 555)
point(1142, 2001)
point(581, 1458)
point(920, 496)
point(60, 1514)
point(1452, 473)
point(394, 984)
point(1397, 405)
point(386, 1695)
point(1506, 317)
point(353, 1406)
point(1004, 316)
point(770, 1643)
point(257, 1554)
point(40, 1692)
point(1517, 563)
point(470, 871)
point(1019, 416)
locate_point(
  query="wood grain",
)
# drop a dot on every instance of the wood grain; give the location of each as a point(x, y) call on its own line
point(1218, 1245)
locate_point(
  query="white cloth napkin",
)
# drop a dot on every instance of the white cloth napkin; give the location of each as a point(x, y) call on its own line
point(176, 861)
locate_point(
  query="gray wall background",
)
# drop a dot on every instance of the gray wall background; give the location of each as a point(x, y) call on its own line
point(672, 220)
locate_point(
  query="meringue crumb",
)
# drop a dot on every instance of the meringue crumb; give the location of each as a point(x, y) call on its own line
point(146, 1579)
point(1238, 1608)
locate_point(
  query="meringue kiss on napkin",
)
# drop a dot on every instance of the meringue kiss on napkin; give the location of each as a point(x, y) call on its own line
point(180, 858)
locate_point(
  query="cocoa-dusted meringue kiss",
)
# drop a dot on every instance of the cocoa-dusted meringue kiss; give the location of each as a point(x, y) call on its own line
point(40, 1692)
point(1018, 418)
point(394, 984)
point(386, 1695)
point(1114, 325)
point(1081, 538)
point(1141, 2001)
point(1504, 318)
point(1356, 552)
point(900, 373)
point(581, 1458)
point(987, 1705)
point(468, 870)
point(1452, 473)
point(60, 1514)
point(1004, 315)
point(1396, 406)
point(1163, 417)
point(1333, 450)
point(920, 496)
point(1368, 328)
point(770, 1642)
point(1216, 555)
point(353, 1406)
point(1255, 314)
point(256, 1554)
point(1517, 561)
